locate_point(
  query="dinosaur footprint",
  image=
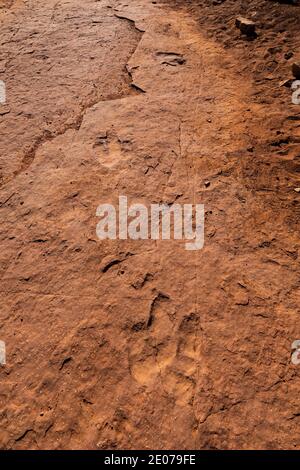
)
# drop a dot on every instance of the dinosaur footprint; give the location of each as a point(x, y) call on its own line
point(111, 150)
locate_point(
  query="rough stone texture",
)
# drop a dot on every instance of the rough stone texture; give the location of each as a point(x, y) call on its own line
point(133, 99)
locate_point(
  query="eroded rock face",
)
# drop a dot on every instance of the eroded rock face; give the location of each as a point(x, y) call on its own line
point(6, 3)
point(43, 64)
point(142, 344)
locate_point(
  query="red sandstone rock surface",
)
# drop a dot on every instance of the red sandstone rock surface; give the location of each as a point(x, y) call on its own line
point(160, 101)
